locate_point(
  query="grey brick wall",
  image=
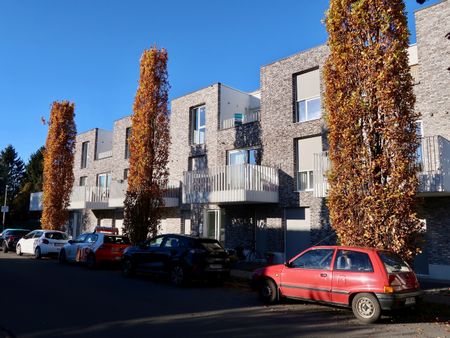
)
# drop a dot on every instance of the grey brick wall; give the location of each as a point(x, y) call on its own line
point(433, 102)
point(433, 91)
point(279, 133)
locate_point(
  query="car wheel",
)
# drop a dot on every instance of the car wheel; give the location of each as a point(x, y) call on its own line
point(128, 268)
point(177, 275)
point(90, 261)
point(268, 291)
point(37, 253)
point(62, 257)
point(18, 250)
point(5, 247)
point(366, 308)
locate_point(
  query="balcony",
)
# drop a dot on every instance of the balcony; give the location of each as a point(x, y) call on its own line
point(81, 197)
point(434, 166)
point(171, 195)
point(239, 119)
point(433, 161)
point(244, 183)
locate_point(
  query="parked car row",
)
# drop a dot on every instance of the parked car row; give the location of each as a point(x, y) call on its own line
point(366, 280)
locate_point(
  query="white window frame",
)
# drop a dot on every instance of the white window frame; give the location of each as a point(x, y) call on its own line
point(297, 116)
point(310, 185)
point(197, 127)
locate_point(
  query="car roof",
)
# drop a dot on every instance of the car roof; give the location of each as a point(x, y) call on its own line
point(344, 247)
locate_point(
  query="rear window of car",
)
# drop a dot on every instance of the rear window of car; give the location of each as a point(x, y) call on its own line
point(20, 233)
point(56, 235)
point(208, 244)
point(393, 262)
point(116, 240)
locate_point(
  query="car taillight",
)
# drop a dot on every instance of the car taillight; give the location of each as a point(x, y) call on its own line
point(10, 238)
point(45, 241)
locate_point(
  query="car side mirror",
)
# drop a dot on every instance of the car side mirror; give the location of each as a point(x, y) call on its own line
point(70, 241)
point(287, 264)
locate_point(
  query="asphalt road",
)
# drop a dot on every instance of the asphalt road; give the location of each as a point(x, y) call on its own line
point(41, 298)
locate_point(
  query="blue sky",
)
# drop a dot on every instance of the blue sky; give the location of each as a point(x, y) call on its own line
point(88, 51)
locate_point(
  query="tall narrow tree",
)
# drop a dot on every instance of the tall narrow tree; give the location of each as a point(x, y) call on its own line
point(148, 144)
point(58, 165)
point(372, 125)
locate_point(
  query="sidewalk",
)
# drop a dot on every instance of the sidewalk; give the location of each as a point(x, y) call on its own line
point(435, 291)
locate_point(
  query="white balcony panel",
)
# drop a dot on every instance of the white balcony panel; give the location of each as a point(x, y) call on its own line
point(36, 201)
point(433, 164)
point(118, 191)
point(243, 183)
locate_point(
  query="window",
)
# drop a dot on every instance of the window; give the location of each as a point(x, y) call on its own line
point(309, 110)
point(198, 118)
point(419, 132)
point(81, 238)
point(393, 262)
point(91, 238)
point(305, 180)
point(308, 102)
point(197, 163)
point(38, 234)
point(83, 181)
point(155, 242)
point(84, 154)
point(171, 242)
point(314, 259)
point(125, 174)
point(306, 150)
point(127, 147)
point(56, 235)
point(354, 261)
point(244, 156)
point(104, 180)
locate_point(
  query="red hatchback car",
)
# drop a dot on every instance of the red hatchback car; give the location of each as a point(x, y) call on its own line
point(367, 280)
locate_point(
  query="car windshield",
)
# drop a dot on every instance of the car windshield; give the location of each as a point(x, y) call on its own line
point(208, 244)
point(117, 240)
point(393, 262)
point(56, 235)
point(18, 233)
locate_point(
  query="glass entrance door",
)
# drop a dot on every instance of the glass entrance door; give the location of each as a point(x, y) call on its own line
point(214, 225)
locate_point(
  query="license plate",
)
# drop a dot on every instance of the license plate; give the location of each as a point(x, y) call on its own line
point(410, 300)
point(117, 258)
point(216, 266)
point(59, 244)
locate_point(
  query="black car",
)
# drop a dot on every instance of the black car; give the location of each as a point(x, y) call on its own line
point(179, 257)
point(10, 237)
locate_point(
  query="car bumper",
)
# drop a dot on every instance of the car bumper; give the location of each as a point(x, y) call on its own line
point(392, 301)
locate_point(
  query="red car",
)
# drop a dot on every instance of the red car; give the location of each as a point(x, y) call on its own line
point(367, 280)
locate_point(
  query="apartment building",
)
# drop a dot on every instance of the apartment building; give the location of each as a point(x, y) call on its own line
point(250, 168)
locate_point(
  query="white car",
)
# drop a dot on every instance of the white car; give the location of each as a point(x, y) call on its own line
point(41, 243)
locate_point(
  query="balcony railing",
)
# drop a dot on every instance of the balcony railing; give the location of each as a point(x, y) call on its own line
point(433, 162)
point(171, 194)
point(81, 197)
point(239, 119)
point(245, 183)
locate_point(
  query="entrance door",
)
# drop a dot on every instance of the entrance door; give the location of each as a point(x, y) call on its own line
point(214, 225)
point(298, 231)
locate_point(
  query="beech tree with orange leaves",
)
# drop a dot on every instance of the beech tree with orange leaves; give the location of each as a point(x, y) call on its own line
point(149, 148)
point(369, 102)
point(58, 165)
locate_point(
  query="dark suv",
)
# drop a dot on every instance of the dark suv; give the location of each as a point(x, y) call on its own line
point(10, 237)
point(180, 257)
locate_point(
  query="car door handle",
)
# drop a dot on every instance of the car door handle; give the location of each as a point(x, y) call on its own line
point(323, 275)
